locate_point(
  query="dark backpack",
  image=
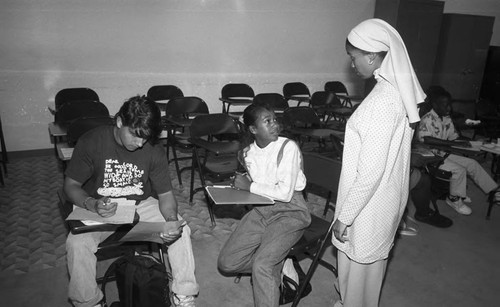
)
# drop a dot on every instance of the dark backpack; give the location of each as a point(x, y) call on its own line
point(142, 281)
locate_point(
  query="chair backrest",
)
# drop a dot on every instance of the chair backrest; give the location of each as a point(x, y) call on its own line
point(485, 107)
point(301, 117)
point(164, 92)
point(232, 90)
point(81, 125)
point(324, 98)
point(212, 125)
point(295, 88)
point(73, 94)
point(80, 108)
point(337, 87)
point(183, 106)
point(275, 101)
point(322, 171)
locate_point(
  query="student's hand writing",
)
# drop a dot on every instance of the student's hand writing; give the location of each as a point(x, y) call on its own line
point(105, 208)
point(340, 231)
point(242, 181)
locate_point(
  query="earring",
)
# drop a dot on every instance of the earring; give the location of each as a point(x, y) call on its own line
point(370, 62)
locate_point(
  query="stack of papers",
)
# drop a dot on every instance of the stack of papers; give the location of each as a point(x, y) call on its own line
point(125, 212)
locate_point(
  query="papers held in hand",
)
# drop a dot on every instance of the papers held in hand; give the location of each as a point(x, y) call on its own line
point(226, 195)
point(148, 231)
point(125, 212)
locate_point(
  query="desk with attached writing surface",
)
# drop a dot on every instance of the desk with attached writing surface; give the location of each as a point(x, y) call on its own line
point(226, 195)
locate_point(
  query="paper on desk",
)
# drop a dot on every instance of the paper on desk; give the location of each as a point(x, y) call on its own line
point(125, 212)
point(423, 152)
point(148, 231)
point(467, 148)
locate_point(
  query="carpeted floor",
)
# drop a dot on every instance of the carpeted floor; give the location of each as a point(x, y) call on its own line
point(438, 267)
point(33, 234)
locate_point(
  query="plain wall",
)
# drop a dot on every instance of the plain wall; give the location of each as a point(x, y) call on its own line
point(121, 48)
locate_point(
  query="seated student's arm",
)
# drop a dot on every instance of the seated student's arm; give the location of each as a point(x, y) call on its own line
point(102, 206)
point(426, 134)
point(168, 207)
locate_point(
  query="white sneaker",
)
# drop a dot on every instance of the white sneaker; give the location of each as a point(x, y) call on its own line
point(289, 271)
point(406, 230)
point(183, 300)
point(459, 206)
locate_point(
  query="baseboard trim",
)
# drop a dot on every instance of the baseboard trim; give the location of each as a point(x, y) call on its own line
point(30, 153)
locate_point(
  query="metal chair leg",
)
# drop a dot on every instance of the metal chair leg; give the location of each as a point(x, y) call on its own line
point(313, 266)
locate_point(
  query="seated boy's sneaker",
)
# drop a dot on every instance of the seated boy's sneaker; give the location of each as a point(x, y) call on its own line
point(289, 271)
point(406, 230)
point(459, 206)
point(183, 300)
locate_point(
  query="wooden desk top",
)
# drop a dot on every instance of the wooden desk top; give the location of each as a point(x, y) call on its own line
point(64, 151)
point(77, 226)
point(225, 195)
point(57, 130)
point(492, 148)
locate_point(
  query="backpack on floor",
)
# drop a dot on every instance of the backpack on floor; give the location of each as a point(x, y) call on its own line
point(289, 288)
point(142, 281)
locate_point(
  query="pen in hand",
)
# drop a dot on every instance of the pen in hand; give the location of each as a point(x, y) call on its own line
point(242, 181)
point(108, 207)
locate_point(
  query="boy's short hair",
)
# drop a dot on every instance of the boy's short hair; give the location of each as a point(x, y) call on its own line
point(435, 92)
point(143, 116)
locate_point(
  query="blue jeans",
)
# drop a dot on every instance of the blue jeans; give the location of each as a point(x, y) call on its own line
point(81, 248)
point(261, 242)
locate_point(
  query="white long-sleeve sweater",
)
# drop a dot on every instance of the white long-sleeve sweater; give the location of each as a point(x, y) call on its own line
point(271, 180)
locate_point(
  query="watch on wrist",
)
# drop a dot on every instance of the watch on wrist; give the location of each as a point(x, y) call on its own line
point(86, 205)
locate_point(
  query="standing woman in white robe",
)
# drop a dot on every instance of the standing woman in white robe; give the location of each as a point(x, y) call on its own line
point(375, 173)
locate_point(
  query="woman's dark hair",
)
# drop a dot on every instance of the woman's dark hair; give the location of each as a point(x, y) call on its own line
point(250, 116)
point(348, 44)
point(143, 116)
point(434, 92)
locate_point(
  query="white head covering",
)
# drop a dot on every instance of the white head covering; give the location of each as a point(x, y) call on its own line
point(376, 35)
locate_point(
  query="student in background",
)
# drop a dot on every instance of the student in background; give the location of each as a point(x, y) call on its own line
point(124, 161)
point(437, 127)
point(374, 181)
point(265, 235)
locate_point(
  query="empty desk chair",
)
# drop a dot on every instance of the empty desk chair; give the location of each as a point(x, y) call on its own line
point(74, 94)
point(237, 95)
point(296, 91)
point(180, 112)
point(163, 93)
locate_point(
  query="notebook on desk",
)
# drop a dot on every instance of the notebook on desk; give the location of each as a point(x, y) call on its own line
point(226, 195)
point(81, 220)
